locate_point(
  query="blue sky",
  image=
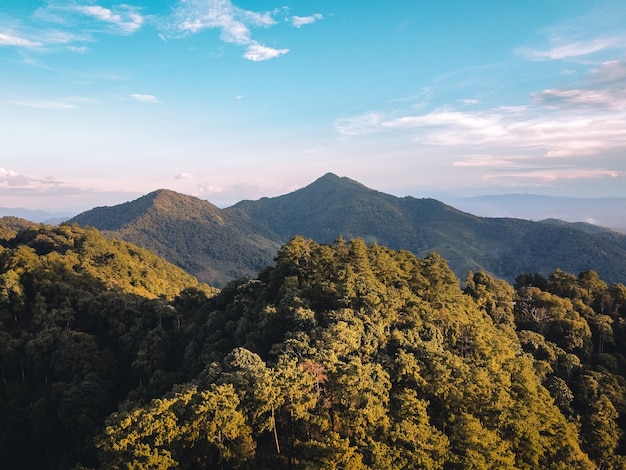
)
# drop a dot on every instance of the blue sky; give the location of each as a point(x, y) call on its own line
point(101, 101)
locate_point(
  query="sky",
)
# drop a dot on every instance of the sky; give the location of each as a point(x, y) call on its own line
point(102, 102)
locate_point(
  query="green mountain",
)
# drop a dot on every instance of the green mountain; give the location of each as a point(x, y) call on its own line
point(217, 245)
point(212, 244)
point(10, 226)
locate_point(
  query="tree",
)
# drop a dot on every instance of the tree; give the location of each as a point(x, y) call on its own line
point(258, 386)
point(475, 447)
point(495, 296)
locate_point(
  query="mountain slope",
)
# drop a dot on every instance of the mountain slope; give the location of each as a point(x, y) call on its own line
point(221, 244)
point(83, 320)
point(192, 233)
point(333, 206)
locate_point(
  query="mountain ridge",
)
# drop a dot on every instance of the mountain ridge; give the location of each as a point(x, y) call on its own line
point(221, 244)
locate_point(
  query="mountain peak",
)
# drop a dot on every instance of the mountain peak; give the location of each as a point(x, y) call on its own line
point(170, 201)
point(164, 202)
point(332, 180)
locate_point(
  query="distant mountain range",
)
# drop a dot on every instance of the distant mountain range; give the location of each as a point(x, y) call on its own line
point(45, 217)
point(606, 212)
point(217, 244)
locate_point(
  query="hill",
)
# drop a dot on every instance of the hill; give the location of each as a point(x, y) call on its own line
point(221, 244)
point(334, 206)
point(76, 311)
point(206, 241)
point(10, 226)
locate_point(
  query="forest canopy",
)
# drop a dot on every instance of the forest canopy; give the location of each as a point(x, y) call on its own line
point(342, 355)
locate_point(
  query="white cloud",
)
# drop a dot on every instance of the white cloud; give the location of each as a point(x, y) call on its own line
point(17, 41)
point(12, 180)
point(258, 52)
point(5, 174)
point(491, 161)
point(144, 98)
point(45, 104)
point(585, 121)
point(572, 49)
point(124, 17)
point(611, 74)
point(548, 175)
point(299, 21)
point(78, 49)
point(207, 190)
point(557, 133)
point(183, 176)
point(234, 23)
point(366, 123)
point(593, 98)
point(196, 15)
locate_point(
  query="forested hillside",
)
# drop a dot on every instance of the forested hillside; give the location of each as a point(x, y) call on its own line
point(332, 206)
point(189, 232)
point(342, 355)
point(81, 321)
point(218, 245)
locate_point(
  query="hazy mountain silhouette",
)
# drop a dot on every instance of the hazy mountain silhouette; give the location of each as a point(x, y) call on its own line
point(605, 211)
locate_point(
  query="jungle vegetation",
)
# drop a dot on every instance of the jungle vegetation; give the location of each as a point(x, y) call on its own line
point(343, 355)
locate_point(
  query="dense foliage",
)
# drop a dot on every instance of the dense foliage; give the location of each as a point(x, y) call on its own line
point(342, 355)
point(78, 318)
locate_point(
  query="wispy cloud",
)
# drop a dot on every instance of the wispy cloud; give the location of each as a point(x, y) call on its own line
point(7, 39)
point(74, 23)
point(361, 124)
point(548, 175)
point(591, 98)
point(234, 23)
point(183, 176)
point(142, 98)
point(603, 87)
point(554, 134)
point(69, 24)
point(207, 190)
point(491, 161)
point(123, 18)
point(12, 180)
point(573, 49)
point(45, 104)
point(560, 133)
point(258, 52)
point(78, 49)
point(299, 21)
point(469, 101)
point(610, 74)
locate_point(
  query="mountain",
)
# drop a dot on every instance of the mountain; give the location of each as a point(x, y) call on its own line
point(46, 217)
point(604, 211)
point(10, 226)
point(221, 244)
point(214, 245)
point(333, 206)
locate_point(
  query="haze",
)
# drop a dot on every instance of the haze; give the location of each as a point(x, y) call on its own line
point(101, 102)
